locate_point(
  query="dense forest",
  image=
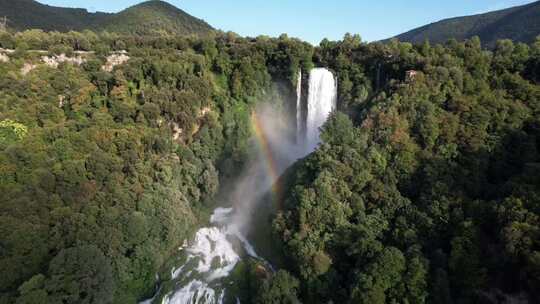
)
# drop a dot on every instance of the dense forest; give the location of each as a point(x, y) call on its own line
point(104, 174)
point(425, 189)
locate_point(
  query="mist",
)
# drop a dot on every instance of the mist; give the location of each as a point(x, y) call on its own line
point(284, 138)
point(257, 180)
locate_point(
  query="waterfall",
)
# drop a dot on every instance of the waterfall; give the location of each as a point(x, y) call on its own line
point(322, 100)
point(299, 107)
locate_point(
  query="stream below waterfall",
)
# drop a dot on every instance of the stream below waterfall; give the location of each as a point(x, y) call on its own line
point(209, 260)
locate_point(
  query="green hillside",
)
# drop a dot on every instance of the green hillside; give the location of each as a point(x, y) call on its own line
point(155, 17)
point(147, 18)
point(520, 23)
point(29, 14)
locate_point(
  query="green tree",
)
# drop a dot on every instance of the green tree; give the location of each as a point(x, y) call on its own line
point(281, 288)
point(80, 275)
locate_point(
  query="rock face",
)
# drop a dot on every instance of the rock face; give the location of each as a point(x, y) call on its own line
point(176, 131)
point(114, 60)
point(204, 111)
point(61, 100)
point(6, 51)
point(51, 61)
point(4, 54)
point(54, 61)
point(27, 67)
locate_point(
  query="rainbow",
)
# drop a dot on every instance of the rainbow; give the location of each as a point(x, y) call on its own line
point(271, 164)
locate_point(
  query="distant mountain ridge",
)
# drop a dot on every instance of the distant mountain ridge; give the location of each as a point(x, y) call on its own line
point(520, 23)
point(147, 18)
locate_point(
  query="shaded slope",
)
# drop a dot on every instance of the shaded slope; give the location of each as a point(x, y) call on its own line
point(28, 14)
point(148, 18)
point(521, 23)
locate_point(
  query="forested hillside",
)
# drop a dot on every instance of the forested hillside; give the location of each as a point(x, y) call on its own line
point(521, 24)
point(425, 189)
point(429, 190)
point(104, 174)
point(152, 17)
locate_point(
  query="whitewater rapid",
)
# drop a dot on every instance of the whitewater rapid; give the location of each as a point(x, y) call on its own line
point(210, 257)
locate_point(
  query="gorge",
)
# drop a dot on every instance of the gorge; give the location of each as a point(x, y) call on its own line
point(202, 277)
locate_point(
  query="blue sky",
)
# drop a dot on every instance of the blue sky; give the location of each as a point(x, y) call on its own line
point(313, 20)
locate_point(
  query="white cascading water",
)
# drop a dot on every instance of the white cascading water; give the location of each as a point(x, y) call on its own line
point(211, 256)
point(322, 99)
point(209, 259)
point(299, 107)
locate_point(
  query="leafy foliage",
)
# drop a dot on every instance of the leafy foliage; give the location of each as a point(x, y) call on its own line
point(281, 288)
point(11, 131)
